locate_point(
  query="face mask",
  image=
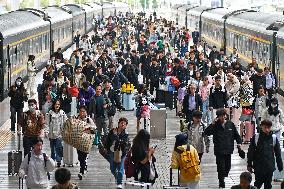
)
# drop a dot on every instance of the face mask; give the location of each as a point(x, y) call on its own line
point(18, 83)
point(32, 108)
point(273, 105)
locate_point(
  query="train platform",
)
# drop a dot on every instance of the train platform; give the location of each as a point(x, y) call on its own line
point(99, 175)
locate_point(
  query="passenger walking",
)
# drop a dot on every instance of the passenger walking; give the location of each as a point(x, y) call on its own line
point(224, 133)
point(36, 166)
point(98, 110)
point(18, 95)
point(55, 120)
point(275, 114)
point(263, 150)
point(192, 101)
point(31, 75)
point(142, 154)
point(185, 158)
point(195, 133)
point(82, 156)
point(260, 105)
point(32, 124)
point(117, 144)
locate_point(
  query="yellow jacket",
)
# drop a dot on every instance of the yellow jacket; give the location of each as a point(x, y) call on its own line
point(176, 161)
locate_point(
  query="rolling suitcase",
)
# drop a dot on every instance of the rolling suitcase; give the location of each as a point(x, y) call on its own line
point(171, 99)
point(70, 156)
point(137, 185)
point(247, 130)
point(127, 101)
point(15, 159)
point(174, 186)
point(160, 96)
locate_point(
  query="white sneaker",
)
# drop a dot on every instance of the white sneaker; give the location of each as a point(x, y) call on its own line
point(119, 186)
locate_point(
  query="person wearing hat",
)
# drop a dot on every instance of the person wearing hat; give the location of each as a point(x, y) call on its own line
point(257, 80)
point(104, 61)
point(195, 132)
point(224, 133)
point(264, 150)
point(245, 180)
point(179, 71)
point(183, 149)
point(213, 54)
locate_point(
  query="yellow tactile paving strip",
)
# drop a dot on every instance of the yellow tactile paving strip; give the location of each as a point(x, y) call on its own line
point(5, 134)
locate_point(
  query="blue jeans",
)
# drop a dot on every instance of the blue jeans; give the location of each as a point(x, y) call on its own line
point(56, 149)
point(117, 169)
point(206, 113)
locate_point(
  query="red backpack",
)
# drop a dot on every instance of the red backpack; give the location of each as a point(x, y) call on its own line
point(129, 166)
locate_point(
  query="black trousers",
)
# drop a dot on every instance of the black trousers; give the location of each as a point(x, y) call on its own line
point(200, 156)
point(28, 142)
point(223, 162)
point(263, 178)
point(16, 115)
point(189, 115)
point(82, 157)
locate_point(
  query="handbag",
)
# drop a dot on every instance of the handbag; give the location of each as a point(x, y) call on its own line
point(153, 172)
point(111, 110)
point(117, 156)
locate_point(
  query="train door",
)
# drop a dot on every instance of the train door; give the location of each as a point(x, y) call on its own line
point(9, 68)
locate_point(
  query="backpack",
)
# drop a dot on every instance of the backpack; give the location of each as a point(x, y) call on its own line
point(129, 166)
point(257, 137)
point(44, 157)
point(189, 164)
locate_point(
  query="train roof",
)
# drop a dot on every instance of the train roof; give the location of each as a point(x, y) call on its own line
point(95, 6)
point(186, 7)
point(108, 5)
point(197, 10)
point(54, 11)
point(280, 33)
point(216, 14)
point(176, 6)
point(87, 8)
point(120, 4)
point(256, 21)
point(20, 21)
point(75, 9)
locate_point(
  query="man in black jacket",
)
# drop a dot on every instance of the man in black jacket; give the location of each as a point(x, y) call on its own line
point(191, 102)
point(218, 96)
point(145, 64)
point(130, 71)
point(155, 74)
point(257, 80)
point(89, 70)
point(264, 148)
point(224, 133)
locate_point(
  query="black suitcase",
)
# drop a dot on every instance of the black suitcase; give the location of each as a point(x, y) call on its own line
point(14, 160)
point(174, 186)
point(171, 99)
point(160, 96)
